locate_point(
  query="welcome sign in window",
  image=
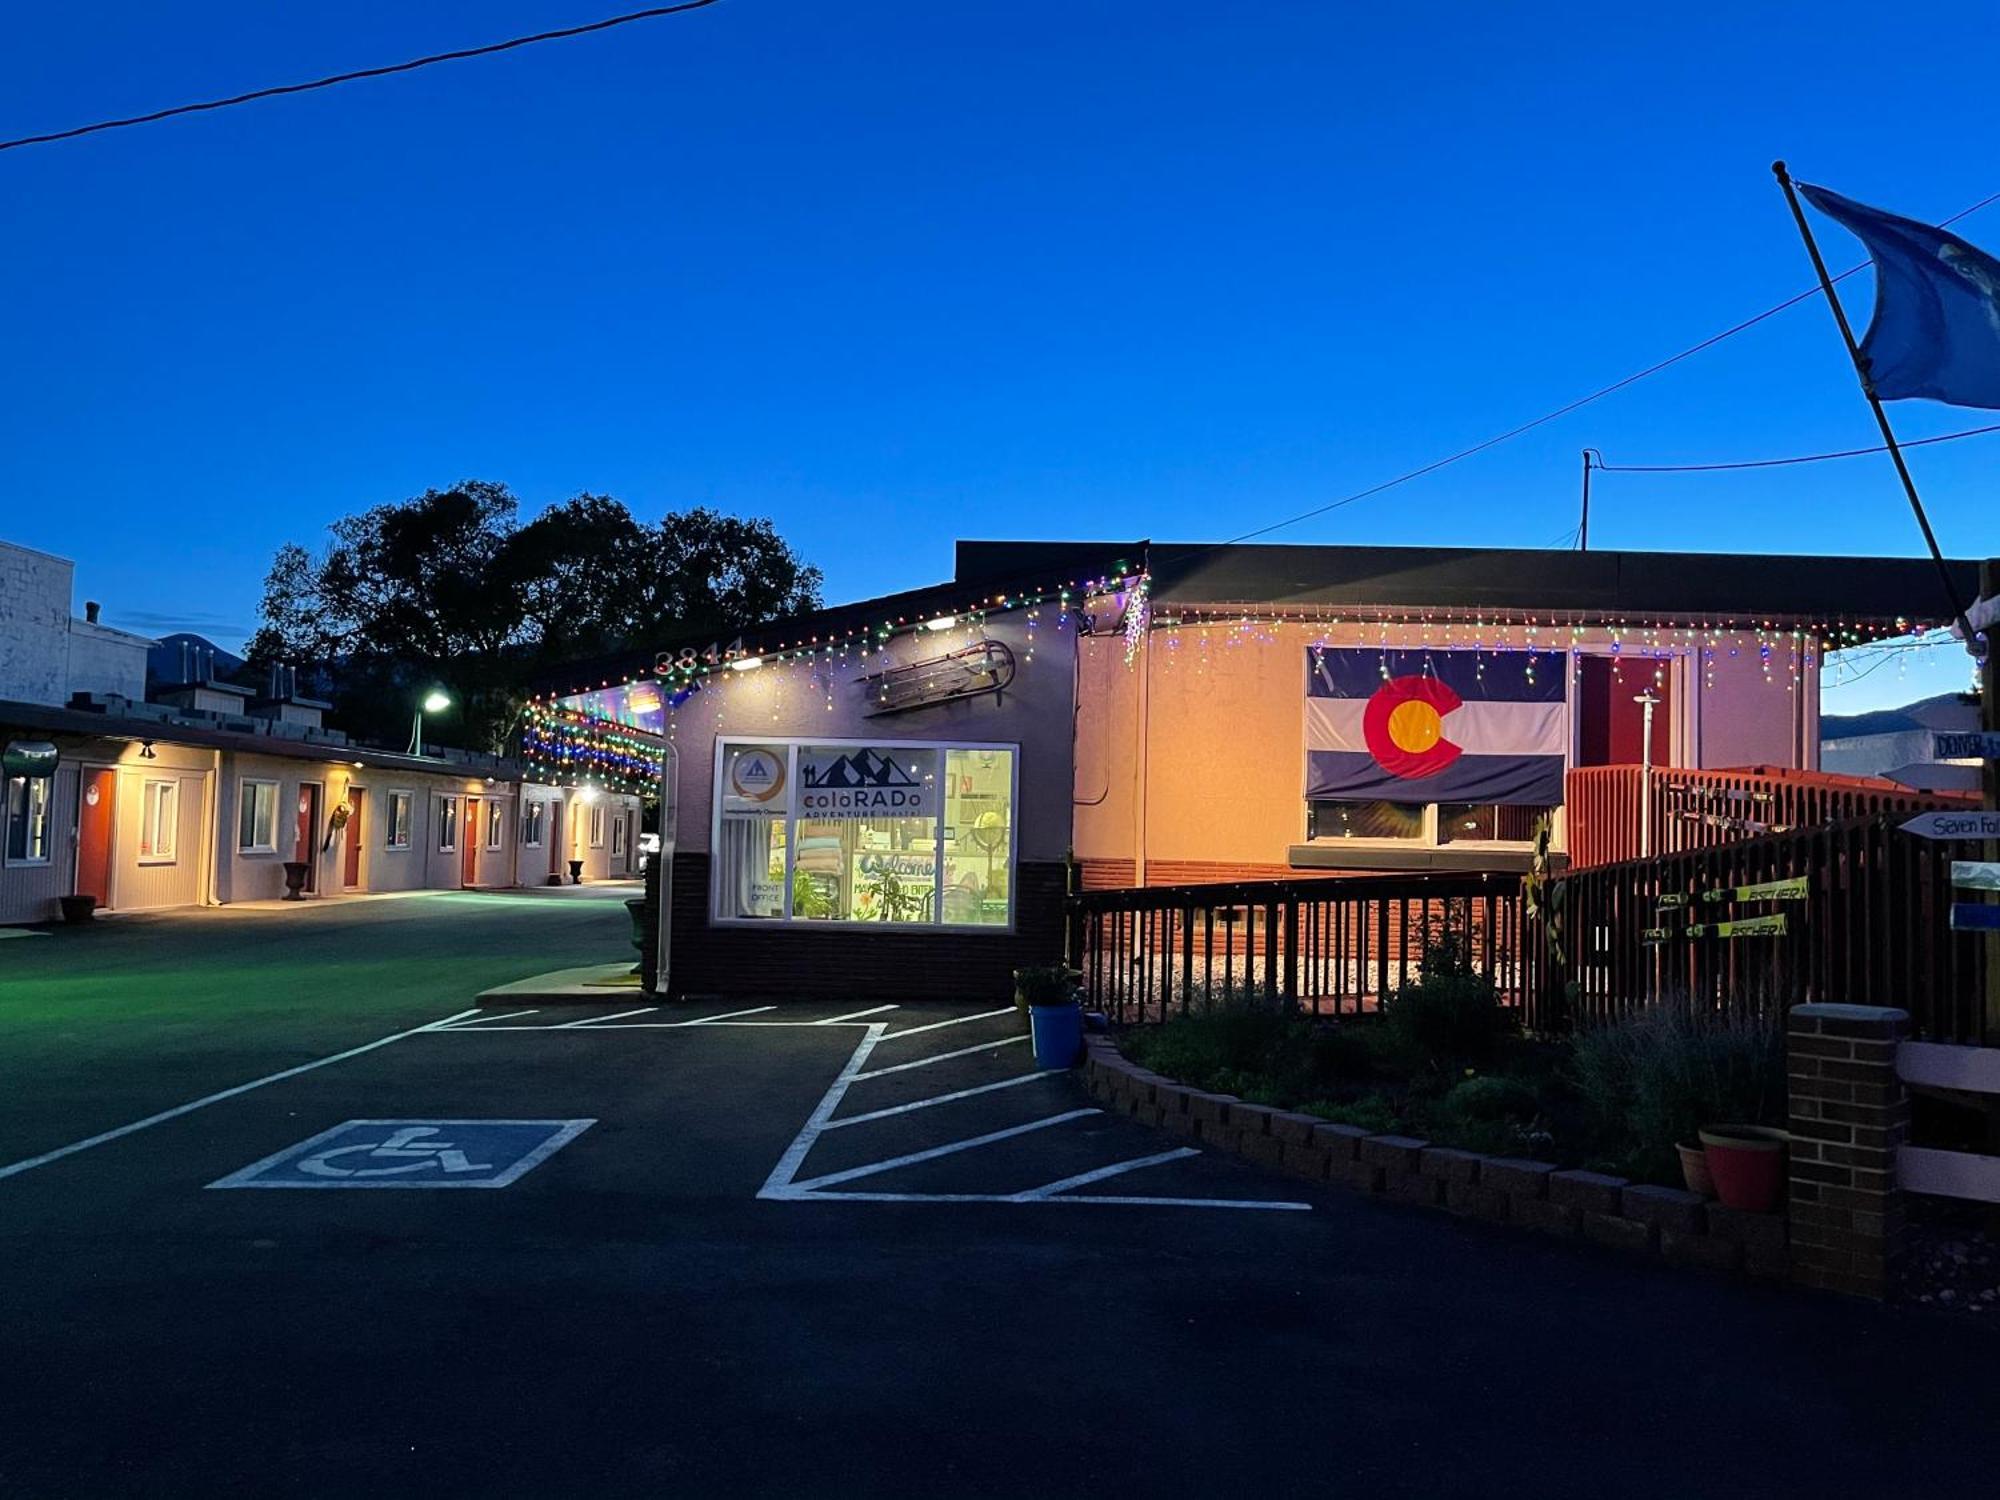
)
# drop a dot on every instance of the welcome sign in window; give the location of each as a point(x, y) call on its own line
point(880, 834)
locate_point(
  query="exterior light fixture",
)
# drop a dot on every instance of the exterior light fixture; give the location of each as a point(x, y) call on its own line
point(436, 701)
point(746, 663)
point(358, 765)
point(942, 622)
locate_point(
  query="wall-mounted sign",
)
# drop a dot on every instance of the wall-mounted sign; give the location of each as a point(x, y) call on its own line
point(1971, 824)
point(1975, 875)
point(867, 782)
point(753, 780)
point(1971, 744)
point(1974, 916)
point(29, 758)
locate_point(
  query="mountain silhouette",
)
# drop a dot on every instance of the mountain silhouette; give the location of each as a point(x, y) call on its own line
point(861, 768)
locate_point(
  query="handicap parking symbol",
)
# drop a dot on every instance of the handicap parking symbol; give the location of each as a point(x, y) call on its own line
point(412, 1154)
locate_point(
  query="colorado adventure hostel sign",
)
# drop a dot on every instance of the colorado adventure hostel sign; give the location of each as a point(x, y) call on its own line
point(867, 782)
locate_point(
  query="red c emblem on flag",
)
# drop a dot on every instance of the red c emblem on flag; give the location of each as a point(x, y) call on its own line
point(1404, 726)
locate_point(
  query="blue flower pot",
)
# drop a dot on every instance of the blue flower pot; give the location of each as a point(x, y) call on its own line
point(1058, 1032)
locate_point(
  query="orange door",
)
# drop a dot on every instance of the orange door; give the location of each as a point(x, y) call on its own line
point(554, 835)
point(468, 837)
point(99, 796)
point(357, 799)
point(302, 836)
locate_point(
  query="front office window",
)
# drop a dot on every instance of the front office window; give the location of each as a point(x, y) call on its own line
point(29, 799)
point(901, 834)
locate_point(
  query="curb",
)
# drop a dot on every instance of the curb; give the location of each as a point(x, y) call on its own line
point(1669, 1224)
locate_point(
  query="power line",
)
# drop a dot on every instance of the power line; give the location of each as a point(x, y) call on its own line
point(1578, 404)
point(1779, 463)
point(654, 13)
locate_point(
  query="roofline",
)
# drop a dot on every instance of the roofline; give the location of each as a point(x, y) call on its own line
point(89, 723)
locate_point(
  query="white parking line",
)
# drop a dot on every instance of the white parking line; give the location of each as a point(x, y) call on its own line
point(873, 1010)
point(985, 1015)
point(779, 1183)
point(925, 1062)
point(600, 1020)
point(1082, 1179)
point(950, 1149)
point(727, 1015)
point(903, 1109)
point(1114, 1201)
point(512, 1015)
point(207, 1099)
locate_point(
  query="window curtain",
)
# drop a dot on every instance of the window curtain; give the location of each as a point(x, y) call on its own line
point(742, 859)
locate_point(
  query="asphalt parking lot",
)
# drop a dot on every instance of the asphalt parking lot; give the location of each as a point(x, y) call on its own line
point(807, 1251)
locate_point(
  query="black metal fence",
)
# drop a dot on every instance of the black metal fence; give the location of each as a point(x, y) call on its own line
point(1327, 947)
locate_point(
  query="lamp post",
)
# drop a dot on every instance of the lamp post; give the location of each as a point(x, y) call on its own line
point(435, 702)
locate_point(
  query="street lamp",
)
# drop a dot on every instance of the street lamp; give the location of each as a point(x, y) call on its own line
point(435, 702)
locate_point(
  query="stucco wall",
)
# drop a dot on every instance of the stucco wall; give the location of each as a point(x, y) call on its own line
point(817, 699)
point(1221, 738)
point(102, 661)
point(34, 625)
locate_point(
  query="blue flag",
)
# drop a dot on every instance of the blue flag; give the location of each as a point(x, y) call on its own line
point(1936, 329)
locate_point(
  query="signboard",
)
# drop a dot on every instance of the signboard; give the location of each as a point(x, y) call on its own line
point(1970, 824)
point(1769, 890)
point(29, 758)
point(1970, 744)
point(845, 781)
point(1673, 902)
point(1771, 926)
point(1974, 916)
point(412, 1154)
point(1975, 875)
point(753, 780)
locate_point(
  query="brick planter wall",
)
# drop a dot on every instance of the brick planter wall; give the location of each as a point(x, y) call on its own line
point(1677, 1226)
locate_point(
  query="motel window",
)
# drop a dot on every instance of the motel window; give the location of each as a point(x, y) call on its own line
point(447, 824)
point(1423, 823)
point(618, 836)
point(912, 835)
point(256, 817)
point(399, 820)
point(534, 822)
point(496, 814)
point(596, 825)
point(159, 821)
point(28, 819)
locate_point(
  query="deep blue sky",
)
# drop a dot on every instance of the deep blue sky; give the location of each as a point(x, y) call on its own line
point(892, 273)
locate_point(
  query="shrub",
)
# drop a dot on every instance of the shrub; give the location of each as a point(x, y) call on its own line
point(1254, 1050)
point(1451, 1014)
point(1652, 1082)
point(1046, 984)
point(1488, 1098)
point(1371, 1112)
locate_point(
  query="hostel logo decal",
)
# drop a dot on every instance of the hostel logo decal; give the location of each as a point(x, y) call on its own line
point(757, 775)
point(1403, 727)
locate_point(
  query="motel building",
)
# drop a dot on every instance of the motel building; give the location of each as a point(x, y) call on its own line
point(893, 798)
point(200, 793)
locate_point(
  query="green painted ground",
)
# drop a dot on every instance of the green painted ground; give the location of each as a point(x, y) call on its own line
point(105, 1024)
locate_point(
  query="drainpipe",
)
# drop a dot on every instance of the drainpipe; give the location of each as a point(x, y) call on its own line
point(670, 782)
point(1139, 759)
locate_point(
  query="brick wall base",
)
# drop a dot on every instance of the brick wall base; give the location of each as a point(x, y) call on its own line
point(1849, 1115)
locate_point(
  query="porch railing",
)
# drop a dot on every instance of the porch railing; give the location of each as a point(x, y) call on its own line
point(1327, 947)
point(1871, 926)
point(1628, 812)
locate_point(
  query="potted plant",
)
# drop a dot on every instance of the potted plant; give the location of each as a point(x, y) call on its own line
point(77, 909)
point(1694, 1168)
point(1055, 1018)
point(1747, 1163)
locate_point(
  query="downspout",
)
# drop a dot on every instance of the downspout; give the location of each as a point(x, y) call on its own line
point(212, 830)
point(1140, 758)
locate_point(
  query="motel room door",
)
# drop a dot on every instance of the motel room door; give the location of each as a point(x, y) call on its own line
point(1610, 726)
point(350, 875)
point(303, 834)
point(468, 841)
point(97, 801)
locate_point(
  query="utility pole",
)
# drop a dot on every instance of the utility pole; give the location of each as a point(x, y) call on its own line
point(1591, 459)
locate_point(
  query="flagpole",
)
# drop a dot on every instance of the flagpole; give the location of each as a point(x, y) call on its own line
point(1874, 402)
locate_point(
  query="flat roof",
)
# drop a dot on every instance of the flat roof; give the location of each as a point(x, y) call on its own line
point(1792, 590)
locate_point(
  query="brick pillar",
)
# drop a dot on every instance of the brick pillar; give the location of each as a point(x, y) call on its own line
point(1849, 1114)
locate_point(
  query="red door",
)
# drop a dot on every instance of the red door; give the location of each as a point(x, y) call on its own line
point(97, 802)
point(302, 836)
point(357, 799)
point(469, 841)
point(1610, 725)
point(554, 835)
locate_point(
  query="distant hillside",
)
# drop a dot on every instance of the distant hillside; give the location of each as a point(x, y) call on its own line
point(1945, 711)
point(185, 656)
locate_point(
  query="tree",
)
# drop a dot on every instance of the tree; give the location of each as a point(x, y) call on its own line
point(451, 589)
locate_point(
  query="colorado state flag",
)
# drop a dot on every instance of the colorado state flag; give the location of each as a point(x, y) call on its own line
point(1435, 726)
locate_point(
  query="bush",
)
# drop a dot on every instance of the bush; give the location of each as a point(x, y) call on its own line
point(1046, 984)
point(1451, 1014)
point(1262, 1054)
point(1488, 1098)
point(1651, 1083)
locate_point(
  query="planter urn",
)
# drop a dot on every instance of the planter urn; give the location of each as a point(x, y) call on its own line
point(77, 910)
point(576, 872)
point(1058, 1034)
point(1748, 1165)
point(295, 879)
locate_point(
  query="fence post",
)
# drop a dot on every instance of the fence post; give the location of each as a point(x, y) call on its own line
point(1849, 1114)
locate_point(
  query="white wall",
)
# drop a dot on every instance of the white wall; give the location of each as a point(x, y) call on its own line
point(34, 625)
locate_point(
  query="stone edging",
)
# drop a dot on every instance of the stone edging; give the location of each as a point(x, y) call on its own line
point(1678, 1226)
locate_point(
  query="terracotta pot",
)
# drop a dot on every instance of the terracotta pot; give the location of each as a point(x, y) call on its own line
point(1748, 1165)
point(1694, 1170)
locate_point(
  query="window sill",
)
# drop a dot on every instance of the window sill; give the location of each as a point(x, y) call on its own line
point(1344, 854)
point(828, 924)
